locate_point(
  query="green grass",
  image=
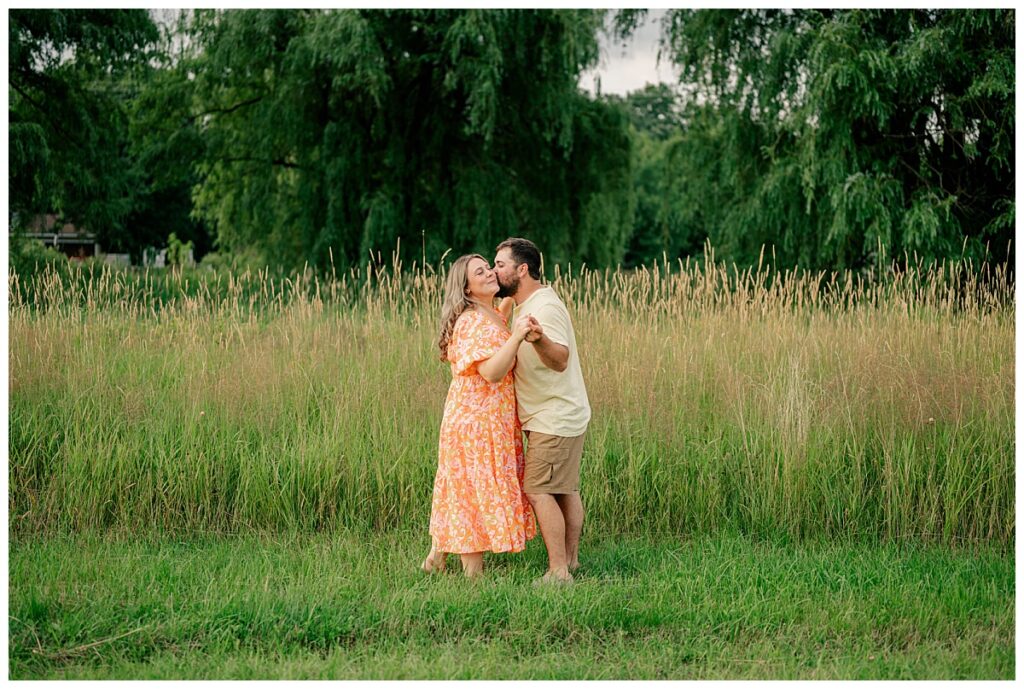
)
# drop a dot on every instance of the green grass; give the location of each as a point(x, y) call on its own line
point(353, 606)
point(764, 403)
point(859, 434)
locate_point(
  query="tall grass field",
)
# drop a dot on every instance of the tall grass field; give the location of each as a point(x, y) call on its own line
point(821, 413)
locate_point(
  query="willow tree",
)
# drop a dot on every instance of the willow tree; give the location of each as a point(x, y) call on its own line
point(336, 134)
point(831, 135)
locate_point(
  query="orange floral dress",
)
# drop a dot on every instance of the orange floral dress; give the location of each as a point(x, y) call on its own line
point(478, 502)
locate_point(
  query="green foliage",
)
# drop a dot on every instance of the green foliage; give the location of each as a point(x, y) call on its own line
point(166, 142)
point(347, 132)
point(30, 258)
point(837, 138)
point(663, 206)
point(100, 131)
point(654, 111)
point(834, 135)
point(177, 251)
point(234, 263)
point(68, 74)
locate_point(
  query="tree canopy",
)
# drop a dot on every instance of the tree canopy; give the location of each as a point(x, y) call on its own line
point(333, 134)
point(833, 134)
point(67, 139)
point(322, 137)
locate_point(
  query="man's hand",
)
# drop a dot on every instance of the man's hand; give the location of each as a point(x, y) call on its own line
point(535, 329)
point(553, 355)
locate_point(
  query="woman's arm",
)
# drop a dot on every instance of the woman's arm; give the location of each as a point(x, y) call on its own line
point(498, 366)
point(505, 307)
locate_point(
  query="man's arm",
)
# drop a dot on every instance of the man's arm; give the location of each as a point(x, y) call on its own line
point(552, 354)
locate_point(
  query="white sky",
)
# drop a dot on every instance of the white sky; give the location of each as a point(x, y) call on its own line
point(631, 65)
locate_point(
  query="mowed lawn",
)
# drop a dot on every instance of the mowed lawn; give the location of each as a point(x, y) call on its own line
point(347, 606)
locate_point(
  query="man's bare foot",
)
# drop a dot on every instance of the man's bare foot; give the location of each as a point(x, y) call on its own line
point(573, 566)
point(555, 576)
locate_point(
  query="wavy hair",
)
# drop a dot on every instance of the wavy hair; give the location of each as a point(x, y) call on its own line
point(455, 299)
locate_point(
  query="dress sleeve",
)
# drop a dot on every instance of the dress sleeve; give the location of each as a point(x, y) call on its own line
point(471, 343)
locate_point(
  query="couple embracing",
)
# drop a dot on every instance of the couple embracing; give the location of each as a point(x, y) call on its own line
point(506, 381)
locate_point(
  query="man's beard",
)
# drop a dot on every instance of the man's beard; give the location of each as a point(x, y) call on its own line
point(508, 289)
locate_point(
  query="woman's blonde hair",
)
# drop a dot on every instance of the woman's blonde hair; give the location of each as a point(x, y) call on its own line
point(455, 299)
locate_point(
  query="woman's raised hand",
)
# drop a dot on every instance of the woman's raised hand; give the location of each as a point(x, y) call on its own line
point(521, 328)
point(505, 307)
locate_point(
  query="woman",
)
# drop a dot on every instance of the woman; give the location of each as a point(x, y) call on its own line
point(478, 502)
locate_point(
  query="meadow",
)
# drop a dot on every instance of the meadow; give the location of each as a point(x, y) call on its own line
point(353, 606)
point(163, 421)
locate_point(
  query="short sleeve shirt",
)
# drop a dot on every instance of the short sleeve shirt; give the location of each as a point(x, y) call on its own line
point(549, 401)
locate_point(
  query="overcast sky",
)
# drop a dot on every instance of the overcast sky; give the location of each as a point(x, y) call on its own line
point(630, 65)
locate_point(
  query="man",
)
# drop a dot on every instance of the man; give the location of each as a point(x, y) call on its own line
point(553, 405)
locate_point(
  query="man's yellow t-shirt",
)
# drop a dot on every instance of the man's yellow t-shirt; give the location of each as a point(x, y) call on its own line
point(550, 402)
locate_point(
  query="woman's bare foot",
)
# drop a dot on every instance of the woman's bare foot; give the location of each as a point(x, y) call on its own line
point(435, 562)
point(473, 565)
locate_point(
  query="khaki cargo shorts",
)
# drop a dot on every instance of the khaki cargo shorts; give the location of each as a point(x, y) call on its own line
point(552, 463)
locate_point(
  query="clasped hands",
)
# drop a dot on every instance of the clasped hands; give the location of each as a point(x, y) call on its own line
point(528, 328)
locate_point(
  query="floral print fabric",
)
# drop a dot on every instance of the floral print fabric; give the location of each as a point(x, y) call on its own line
point(478, 502)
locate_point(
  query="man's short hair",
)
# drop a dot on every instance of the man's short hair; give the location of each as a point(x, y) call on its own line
point(523, 251)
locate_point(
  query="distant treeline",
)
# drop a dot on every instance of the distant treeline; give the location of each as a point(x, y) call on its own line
point(319, 136)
